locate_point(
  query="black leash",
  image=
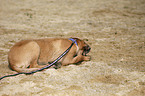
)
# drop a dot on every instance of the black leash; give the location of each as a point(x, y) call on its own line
point(46, 67)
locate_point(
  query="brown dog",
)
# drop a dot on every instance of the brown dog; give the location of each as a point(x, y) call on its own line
point(30, 55)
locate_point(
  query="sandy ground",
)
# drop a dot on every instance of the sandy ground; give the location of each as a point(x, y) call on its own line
point(115, 30)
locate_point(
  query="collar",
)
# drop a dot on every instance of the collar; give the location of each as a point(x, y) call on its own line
point(74, 41)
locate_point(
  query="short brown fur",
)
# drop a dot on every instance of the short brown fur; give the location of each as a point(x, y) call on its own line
point(30, 55)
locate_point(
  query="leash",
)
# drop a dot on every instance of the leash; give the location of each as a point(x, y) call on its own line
point(46, 67)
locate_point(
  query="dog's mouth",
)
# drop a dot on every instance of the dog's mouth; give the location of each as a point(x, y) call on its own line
point(86, 50)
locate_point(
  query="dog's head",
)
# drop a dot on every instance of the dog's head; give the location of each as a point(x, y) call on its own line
point(83, 46)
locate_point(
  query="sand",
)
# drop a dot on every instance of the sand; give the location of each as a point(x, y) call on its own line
point(115, 30)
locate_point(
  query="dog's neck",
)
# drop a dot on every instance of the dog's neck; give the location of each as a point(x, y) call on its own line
point(73, 40)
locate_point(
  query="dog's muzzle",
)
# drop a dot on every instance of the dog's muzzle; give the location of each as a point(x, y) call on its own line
point(86, 50)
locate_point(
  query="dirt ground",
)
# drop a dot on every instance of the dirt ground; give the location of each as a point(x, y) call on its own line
point(115, 30)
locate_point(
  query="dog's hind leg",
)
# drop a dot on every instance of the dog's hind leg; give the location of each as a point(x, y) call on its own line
point(57, 65)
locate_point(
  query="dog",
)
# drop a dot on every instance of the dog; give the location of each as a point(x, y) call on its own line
point(31, 55)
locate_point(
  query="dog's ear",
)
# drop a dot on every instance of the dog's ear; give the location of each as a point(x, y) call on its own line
point(75, 38)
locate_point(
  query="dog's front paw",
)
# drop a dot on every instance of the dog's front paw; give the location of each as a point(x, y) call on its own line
point(87, 58)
